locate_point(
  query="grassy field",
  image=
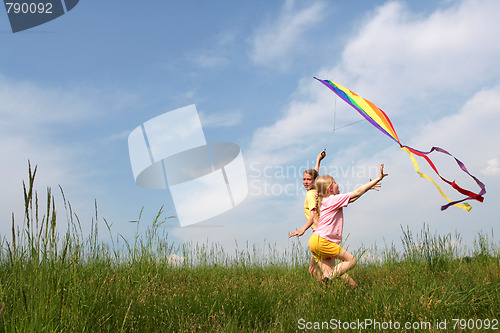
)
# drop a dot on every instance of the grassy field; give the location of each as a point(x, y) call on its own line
point(51, 282)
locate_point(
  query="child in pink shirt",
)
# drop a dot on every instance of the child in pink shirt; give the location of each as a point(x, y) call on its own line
point(326, 237)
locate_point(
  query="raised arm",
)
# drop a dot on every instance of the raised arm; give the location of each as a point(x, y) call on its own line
point(372, 184)
point(318, 159)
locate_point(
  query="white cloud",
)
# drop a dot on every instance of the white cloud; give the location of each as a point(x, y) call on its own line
point(407, 199)
point(414, 65)
point(207, 60)
point(401, 53)
point(221, 119)
point(31, 105)
point(36, 125)
point(226, 38)
point(492, 168)
point(28, 114)
point(391, 58)
point(217, 54)
point(277, 42)
point(119, 136)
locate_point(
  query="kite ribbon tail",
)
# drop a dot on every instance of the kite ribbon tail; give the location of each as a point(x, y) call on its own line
point(464, 206)
point(469, 194)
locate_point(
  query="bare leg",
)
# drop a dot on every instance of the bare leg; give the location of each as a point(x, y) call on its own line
point(324, 267)
point(316, 268)
point(348, 262)
point(313, 269)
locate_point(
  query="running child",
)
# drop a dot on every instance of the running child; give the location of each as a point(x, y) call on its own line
point(308, 179)
point(326, 237)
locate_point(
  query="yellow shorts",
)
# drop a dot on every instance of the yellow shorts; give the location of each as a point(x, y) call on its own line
point(323, 249)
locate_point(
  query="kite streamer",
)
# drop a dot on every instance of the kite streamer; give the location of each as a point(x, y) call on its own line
point(379, 119)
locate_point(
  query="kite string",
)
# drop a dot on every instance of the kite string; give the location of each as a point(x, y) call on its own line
point(335, 114)
point(334, 120)
point(335, 128)
point(349, 124)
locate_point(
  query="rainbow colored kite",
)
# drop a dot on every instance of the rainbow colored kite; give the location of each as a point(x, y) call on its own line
point(379, 119)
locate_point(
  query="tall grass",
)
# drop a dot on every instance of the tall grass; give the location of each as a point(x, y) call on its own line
point(72, 282)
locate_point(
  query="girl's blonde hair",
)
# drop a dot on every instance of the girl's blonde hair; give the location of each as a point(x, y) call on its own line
point(322, 183)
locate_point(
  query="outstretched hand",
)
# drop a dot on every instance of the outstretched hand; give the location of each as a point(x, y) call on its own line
point(295, 233)
point(377, 186)
point(382, 174)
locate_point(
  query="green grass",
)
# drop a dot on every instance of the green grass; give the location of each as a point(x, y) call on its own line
point(51, 282)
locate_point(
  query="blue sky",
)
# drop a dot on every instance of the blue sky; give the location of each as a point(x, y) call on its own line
point(72, 90)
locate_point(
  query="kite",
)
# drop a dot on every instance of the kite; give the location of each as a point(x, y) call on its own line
point(381, 121)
